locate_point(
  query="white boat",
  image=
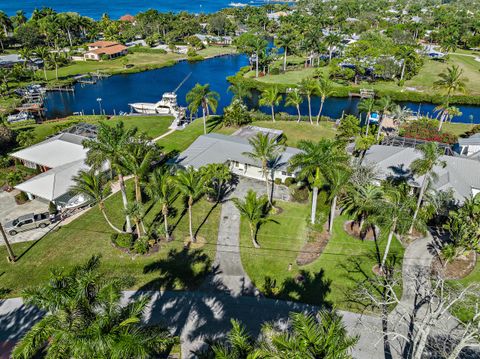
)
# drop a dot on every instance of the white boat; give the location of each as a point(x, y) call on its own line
point(166, 106)
point(78, 201)
point(19, 117)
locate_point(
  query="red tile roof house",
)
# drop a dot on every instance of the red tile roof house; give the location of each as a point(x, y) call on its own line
point(128, 18)
point(111, 49)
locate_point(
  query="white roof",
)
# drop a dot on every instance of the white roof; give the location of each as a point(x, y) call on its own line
point(54, 183)
point(56, 151)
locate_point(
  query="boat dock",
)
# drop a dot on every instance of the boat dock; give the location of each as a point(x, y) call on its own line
point(364, 93)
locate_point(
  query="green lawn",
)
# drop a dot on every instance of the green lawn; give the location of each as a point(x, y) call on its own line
point(141, 61)
point(170, 268)
point(153, 126)
point(329, 279)
point(456, 128)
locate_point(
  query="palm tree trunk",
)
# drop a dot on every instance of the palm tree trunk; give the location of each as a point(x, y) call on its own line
point(190, 226)
point(139, 231)
point(256, 64)
point(442, 119)
point(56, 71)
point(102, 209)
point(380, 126)
point(285, 60)
point(322, 101)
point(403, 69)
point(69, 37)
point(313, 214)
point(1, 43)
point(419, 202)
point(310, 109)
point(124, 200)
point(165, 222)
point(387, 248)
point(265, 174)
point(45, 72)
point(11, 255)
point(204, 121)
point(332, 214)
point(273, 113)
point(252, 235)
point(138, 190)
point(299, 114)
point(368, 123)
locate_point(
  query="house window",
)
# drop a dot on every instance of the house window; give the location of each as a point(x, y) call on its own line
point(284, 173)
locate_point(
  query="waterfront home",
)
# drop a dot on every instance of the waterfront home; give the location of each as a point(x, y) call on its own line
point(57, 160)
point(128, 18)
point(105, 49)
point(461, 174)
point(469, 146)
point(8, 61)
point(214, 40)
point(230, 150)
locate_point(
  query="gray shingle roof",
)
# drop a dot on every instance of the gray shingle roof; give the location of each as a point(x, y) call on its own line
point(217, 148)
point(461, 174)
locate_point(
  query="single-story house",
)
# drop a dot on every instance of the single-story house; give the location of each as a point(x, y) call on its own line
point(111, 49)
point(57, 159)
point(461, 174)
point(216, 40)
point(128, 18)
point(470, 145)
point(8, 61)
point(217, 148)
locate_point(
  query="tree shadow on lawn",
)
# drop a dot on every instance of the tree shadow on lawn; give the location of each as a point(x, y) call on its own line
point(183, 268)
point(306, 287)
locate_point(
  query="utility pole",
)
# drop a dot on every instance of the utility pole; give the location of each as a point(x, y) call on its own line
point(11, 256)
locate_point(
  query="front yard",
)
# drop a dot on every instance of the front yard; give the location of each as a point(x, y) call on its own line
point(171, 267)
point(329, 280)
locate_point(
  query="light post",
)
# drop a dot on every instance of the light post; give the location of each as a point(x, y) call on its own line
point(11, 256)
point(99, 100)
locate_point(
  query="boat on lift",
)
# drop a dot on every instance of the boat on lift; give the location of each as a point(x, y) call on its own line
point(167, 106)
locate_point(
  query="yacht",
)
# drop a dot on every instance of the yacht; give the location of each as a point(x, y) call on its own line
point(166, 106)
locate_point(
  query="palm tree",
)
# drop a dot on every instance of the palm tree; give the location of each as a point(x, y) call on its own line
point(271, 97)
point(309, 336)
point(385, 104)
point(95, 186)
point(11, 255)
point(161, 189)
point(85, 318)
point(258, 45)
point(451, 81)
point(295, 98)
point(216, 177)
point(137, 159)
point(400, 114)
point(136, 212)
point(332, 40)
point(324, 90)
point(367, 106)
point(190, 184)
point(240, 91)
point(109, 147)
point(314, 161)
point(425, 166)
point(202, 96)
point(361, 202)
point(308, 87)
point(255, 210)
point(265, 149)
point(5, 22)
point(287, 38)
point(337, 179)
point(394, 214)
point(26, 54)
point(43, 53)
point(54, 60)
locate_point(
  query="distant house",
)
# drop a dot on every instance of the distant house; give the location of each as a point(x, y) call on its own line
point(99, 49)
point(216, 40)
point(57, 159)
point(275, 16)
point(217, 148)
point(128, 18)
point(469, 146)
point(462, 175)
point(8, 61)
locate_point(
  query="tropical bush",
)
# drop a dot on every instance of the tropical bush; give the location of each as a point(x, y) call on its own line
point(236, 114)
point(141, 245)
point(426, 129)
point(299, 194)
point(122, 240)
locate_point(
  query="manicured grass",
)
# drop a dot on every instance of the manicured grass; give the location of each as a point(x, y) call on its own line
point(170, 268)
point(153, 126)
point(329, 279)
point(141, 61)
point(456, 128)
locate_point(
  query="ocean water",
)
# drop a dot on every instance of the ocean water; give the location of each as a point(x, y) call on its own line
point(117, 8)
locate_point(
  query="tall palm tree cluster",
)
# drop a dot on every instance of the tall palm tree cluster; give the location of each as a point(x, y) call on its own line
point(127, 153)
point(85, 318)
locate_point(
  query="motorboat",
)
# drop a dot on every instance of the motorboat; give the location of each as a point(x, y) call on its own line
point(166, 106)
point(78, 201)
point(20, 117)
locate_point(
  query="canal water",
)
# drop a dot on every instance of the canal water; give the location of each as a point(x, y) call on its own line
point(113, 94)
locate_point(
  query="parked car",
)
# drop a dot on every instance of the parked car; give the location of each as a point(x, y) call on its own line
point(27, 222)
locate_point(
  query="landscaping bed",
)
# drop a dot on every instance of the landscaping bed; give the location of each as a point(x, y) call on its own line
point(458, 268)
point(352, 228)
point(313, 248)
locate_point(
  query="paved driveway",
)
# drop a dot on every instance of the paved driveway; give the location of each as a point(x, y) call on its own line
point(9, 210)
